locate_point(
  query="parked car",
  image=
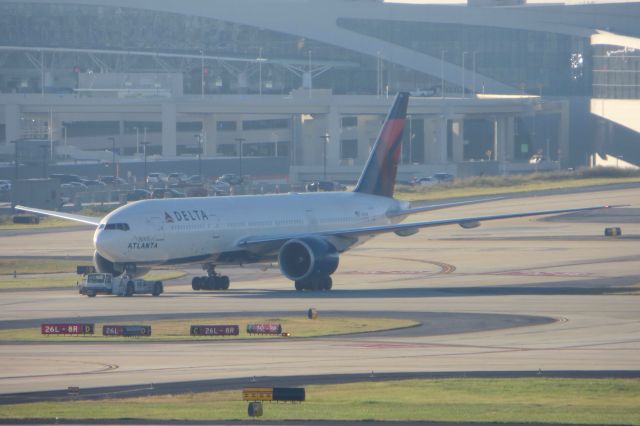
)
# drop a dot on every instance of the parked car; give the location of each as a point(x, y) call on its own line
point(156, 178)
point(197, 191)
point(325, 185)
point(433, 91)
point(537, 159)
point(425, 181)
point(194, 180)
point(112, 180)
point(5, 185)
point(65, 177)
point(138, 194)
point(79, 186)
point(167, 193)
point(231, 179)
point(95, 184)
point(176, 178)
point(220, 188)
point(443, 177)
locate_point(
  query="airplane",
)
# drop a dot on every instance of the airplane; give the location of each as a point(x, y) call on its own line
point(305, 233)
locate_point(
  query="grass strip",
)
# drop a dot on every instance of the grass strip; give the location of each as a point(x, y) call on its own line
point(468, 189)
point(6, 221)
point(45, 222)
point(178, 330)
point(70, 281)
point(521, 400)
point(37, 265)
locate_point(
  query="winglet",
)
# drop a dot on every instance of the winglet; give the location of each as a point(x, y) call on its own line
point(379, 175)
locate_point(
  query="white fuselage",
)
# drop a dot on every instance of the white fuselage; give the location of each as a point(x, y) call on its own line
point(196, 229)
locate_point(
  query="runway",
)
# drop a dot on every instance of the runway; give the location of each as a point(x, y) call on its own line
point(581, 285)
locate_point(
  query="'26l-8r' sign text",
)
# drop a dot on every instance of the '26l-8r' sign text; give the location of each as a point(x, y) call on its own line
point(215, 330)
point(75, 329)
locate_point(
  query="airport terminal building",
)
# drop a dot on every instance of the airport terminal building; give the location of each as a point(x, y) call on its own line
point(307, 83)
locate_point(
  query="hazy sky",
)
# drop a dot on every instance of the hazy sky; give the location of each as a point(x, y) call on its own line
point(529, 1)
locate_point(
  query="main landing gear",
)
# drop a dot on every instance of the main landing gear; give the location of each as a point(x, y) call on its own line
point(213, 280)
point(319, 283)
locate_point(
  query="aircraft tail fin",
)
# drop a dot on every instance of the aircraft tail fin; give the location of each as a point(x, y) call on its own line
point(379, 175)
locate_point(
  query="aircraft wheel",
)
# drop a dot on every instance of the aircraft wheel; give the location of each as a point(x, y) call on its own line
point(196, 283)
point(327, 283)
point(129, 290)
point(157, 289)
point(207, 283)
point(223, 282)
point(316, 283)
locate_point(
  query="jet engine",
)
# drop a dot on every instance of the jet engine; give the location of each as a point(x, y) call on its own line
point(306, 257)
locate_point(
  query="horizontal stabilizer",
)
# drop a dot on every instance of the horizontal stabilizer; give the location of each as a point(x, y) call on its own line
point(431, 207)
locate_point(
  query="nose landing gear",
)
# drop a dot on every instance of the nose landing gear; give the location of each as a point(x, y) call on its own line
point(213, 280)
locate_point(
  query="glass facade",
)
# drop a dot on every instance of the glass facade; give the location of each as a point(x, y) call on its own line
point(112, 28)
point(616, 72)
point(535, 62)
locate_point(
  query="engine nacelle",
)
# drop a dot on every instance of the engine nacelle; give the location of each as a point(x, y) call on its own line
point(407, 232)
point(304, 257)
point(470, 224)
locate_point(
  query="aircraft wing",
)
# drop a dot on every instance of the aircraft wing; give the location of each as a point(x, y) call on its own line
point(90, 220)
point(259, 242)
point(421, 209)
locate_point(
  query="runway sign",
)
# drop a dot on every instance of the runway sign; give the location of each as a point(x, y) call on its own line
point(215, 330)
point(274, 394)
point(288, 394)
point(75, 329)
point(257, 394)
point(126, 330)
point(612, 232)
point(264, 329)
point(255, 409)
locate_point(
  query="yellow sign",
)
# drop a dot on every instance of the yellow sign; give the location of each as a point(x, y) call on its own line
point(257, 394)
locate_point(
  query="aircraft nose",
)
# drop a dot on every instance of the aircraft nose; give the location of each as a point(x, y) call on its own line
point(103, 243)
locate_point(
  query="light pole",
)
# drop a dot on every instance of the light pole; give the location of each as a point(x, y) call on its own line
point(442, 73)
point(15, 161)
point(410, 118)
point(463, 73)
point(144, 147)
point(202, 73)
point(240, 142)
point(260, 61)
point(113, 155)
point(198, 138)
point(137, 140)
point(325, 139)
point(144, 136)
point(474, 72)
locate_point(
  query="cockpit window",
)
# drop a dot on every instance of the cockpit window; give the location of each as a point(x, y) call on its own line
point(101, 226)
point(117, 226)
